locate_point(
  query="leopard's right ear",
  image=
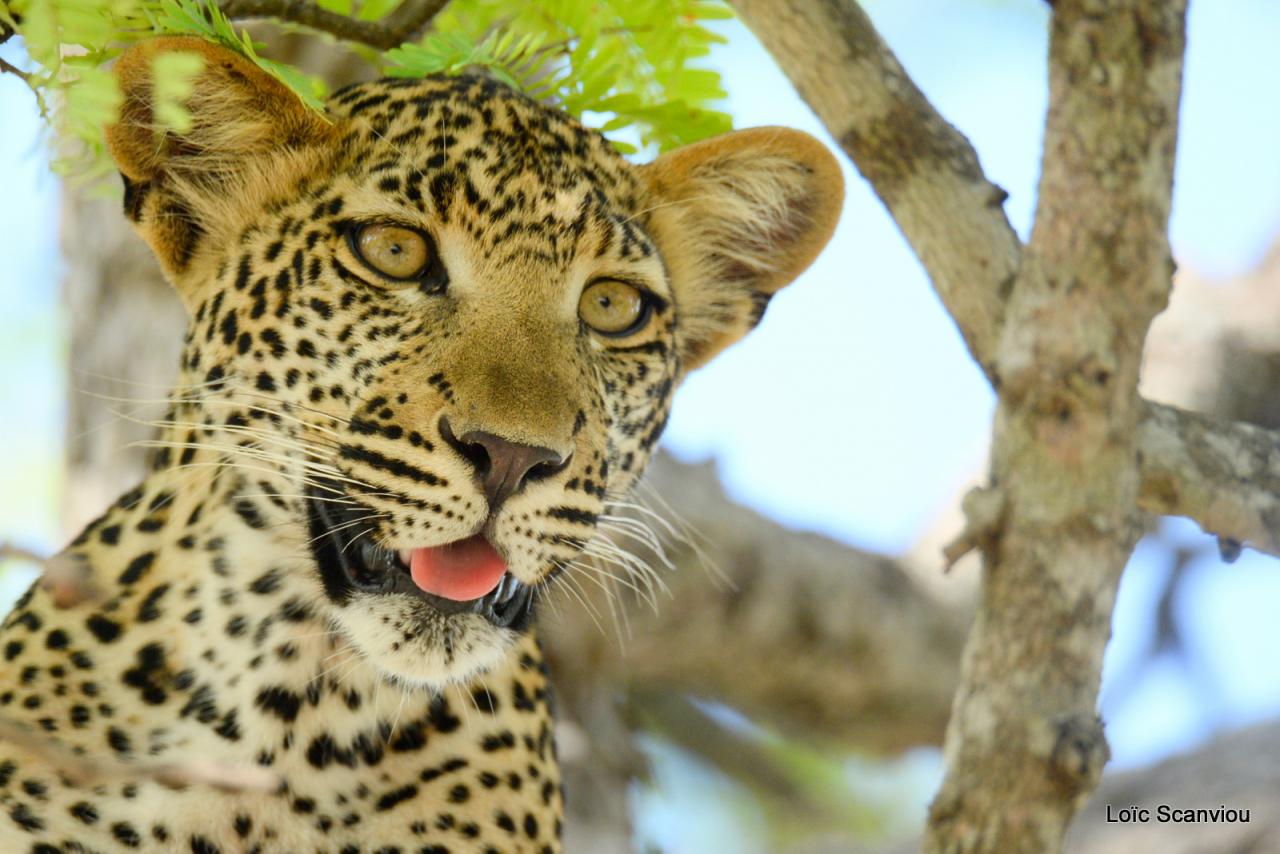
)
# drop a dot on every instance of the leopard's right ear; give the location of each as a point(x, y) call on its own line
point(178, 185)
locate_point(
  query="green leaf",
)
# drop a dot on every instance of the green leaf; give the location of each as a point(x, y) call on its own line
point(199, 18)
point(376, 10)
point(174, 77)
point(342, 7)
point(311, 90)
point(617, 123)
point(709, 11)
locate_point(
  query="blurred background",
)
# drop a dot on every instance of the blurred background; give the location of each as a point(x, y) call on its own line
point(854, 412)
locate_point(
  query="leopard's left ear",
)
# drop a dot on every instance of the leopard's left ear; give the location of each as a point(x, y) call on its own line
point(738, 217)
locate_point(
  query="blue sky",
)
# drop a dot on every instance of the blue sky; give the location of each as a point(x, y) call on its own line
point(854, 409)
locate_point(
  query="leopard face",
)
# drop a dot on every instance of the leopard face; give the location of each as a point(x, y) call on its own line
point(445, 323)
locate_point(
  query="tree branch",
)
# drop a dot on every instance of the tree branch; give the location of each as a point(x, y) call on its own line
point(1220, 473)
point(1238, 770)
point(402, 25)
point(8, 68)
point(821, 642)
point(923, 169)
point(828, 643)
point(1225, 475)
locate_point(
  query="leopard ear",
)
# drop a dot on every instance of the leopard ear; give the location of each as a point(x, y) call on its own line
point(738, 217)
point(178, 183)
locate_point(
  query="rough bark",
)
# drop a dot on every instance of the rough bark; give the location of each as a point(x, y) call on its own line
point(1025, 744)
point(1238, 770)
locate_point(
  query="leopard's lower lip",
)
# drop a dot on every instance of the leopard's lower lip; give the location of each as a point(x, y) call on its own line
point(346, 568)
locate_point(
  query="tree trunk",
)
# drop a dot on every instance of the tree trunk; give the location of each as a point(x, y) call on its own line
point(1025, 744)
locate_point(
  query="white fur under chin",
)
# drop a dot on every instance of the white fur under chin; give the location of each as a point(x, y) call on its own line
point(417, 646)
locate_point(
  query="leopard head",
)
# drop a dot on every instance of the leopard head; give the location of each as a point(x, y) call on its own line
point(458, 314)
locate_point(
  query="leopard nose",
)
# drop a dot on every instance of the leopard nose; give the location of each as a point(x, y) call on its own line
point(502, 466)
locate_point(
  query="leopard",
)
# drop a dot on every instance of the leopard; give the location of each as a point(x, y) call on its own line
point(434, 332)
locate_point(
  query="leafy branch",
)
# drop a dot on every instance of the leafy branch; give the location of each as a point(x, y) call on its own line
point(626, 67)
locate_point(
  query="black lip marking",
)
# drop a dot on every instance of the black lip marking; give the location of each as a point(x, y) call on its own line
point(348, 567)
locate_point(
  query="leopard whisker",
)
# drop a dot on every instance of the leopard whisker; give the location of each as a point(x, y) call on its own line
point(252, 451)
point(681, 531)
point(573, 586)
point(632, 567)
point(234, 464)
point(326, 447)
point(282, 413)
point(637, 532)
point(360, 534)
point(344, 526)
point(608, 584)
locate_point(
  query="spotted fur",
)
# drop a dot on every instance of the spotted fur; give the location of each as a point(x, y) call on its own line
point(306, 381)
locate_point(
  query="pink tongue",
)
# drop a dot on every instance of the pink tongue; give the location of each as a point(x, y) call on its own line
point(467, 569)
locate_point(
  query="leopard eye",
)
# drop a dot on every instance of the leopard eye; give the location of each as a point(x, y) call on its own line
point(614, 309)
point(393, 250)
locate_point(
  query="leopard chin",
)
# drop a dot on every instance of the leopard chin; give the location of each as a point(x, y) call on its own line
point(414, 644)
